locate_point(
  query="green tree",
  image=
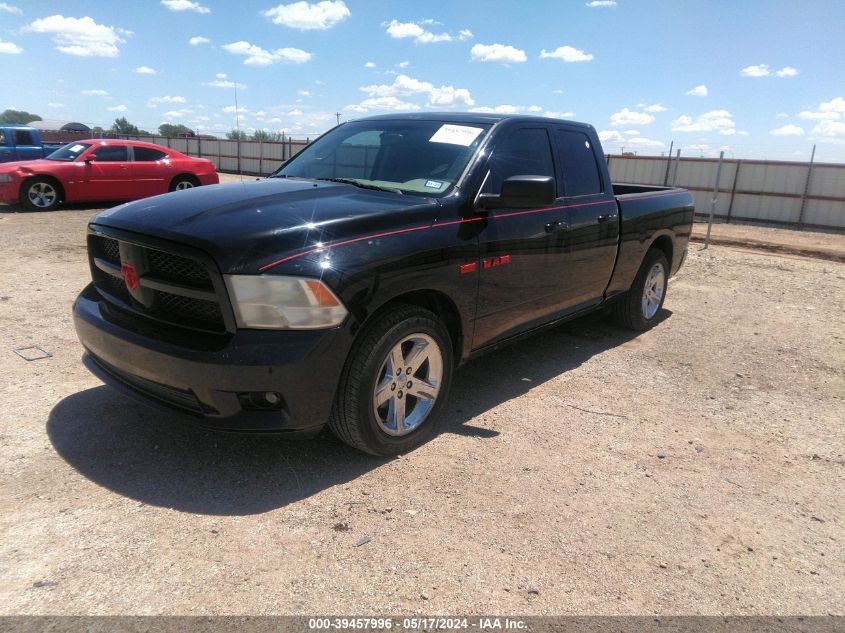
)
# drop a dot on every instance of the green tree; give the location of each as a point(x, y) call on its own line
point(264, 135)
point(18, 116)
point(122, 126)
point(171, 130)
point(236, 135)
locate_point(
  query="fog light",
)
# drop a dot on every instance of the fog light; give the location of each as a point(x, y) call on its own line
point(260, 400)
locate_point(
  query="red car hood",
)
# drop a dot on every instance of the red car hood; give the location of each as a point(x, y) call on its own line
point(26, 165)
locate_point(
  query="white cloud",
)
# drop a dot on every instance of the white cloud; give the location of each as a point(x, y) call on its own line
point(758, 70)
point(185, 5)
point(198, 39)
point(630, 117)
point(146, 70)
point(832, 110)
point(257, 56)
point(53, 104)
point(167, 99)
point(231, 110)
point(612, 136)
point(558, 115)
point(80, 36)
point(720, 121)
point(499, 53)
point(9, 48)
point(303, 93)
point(830, 132)
point(382, 103)
point(370, 65)
point(567, 54)
point(295, 112)
point(654, 107)
point(96, 92)
point(224, 83)
point(640, 141)
point(631, 132)
point(307, 17)
point(787, 71)
point(117, 108)
point(602, 3)
point(403, 85)
point(534, 108)
point(698, 91)
point(221, 76)
point(401, 30)
point(557, 91)
point(499, 109)
point(10, 9)
point(788, 130)
point(782, 115)
point(404, 64)
point(449, 96)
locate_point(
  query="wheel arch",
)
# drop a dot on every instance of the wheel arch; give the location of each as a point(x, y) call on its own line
point(436, 301)
point(53, 180)
point(665, 244)
point(186, 175)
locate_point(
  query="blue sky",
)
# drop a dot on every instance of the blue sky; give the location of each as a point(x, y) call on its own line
point(758, 79)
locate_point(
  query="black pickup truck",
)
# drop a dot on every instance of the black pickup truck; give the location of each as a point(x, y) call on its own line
point(347, 287)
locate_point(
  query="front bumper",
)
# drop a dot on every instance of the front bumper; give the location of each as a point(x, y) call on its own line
point(9, 192)
point(207, 382)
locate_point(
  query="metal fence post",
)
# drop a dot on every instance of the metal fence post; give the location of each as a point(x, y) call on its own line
point(677, 164)
point(713, 199)
point(806, 190)
point(733, 190)
point(260, 158)
point(668, 163)
point(239, 155)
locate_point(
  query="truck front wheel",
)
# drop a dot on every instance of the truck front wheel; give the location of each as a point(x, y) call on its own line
point(394, 383)
point(638, 308)
point(40, 194)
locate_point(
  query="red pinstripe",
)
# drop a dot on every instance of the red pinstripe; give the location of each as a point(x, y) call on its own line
point(450, 223)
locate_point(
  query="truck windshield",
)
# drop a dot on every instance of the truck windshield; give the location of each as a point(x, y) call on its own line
point(69, 152)
point(416, 157)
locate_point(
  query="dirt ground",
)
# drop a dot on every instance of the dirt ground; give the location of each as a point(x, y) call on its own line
point(694, 469)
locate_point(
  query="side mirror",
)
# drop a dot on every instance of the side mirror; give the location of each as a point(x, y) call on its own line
point(521, 191)
point(90, 158)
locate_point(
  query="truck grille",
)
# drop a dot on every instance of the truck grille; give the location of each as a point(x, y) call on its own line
point(175, 289)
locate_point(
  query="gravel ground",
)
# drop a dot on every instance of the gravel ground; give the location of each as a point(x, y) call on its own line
point(694, 469)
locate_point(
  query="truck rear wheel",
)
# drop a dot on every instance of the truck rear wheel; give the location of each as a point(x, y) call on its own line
point(394, 383)
point(40, 194)
point(638, 308)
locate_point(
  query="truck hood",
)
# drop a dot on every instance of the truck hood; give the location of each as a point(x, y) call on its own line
point(247, 225)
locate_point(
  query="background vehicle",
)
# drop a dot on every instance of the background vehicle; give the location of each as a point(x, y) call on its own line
point(18, 142)
point(91, 170)
point(349, 286)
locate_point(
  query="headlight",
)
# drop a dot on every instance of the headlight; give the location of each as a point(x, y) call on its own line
point(5, 177)
point(283, 303)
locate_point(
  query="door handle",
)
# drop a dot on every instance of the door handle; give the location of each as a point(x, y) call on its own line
point(605, 217)
point(554, 227)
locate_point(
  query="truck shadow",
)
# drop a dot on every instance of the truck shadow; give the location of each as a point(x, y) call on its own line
point(141, 454)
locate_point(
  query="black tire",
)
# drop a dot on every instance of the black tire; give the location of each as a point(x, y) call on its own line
point(353, 418)
point(185, 181)
point(40, 194)
point(629, 310)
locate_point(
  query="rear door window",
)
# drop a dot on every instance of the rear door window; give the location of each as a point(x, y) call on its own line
point(578, 172)
point(23, 137)
point(111, 154)
point(148, 154)
point(523, 152)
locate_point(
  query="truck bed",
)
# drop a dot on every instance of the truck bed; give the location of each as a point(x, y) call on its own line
point(628, 190)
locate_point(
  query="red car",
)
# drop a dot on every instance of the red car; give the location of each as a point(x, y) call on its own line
point(101, 170)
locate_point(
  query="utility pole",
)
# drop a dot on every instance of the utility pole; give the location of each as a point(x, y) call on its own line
point(337, 114)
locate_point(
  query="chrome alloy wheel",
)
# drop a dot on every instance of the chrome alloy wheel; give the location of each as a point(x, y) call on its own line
point(408, 384)
point(42, 195)
point(653, 290)
point(184, 184)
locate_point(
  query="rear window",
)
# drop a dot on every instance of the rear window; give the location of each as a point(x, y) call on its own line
point(148, 154)
point(23, 137)
point(579, 172)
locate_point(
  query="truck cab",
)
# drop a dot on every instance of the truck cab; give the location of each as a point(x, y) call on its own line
point(18, 142)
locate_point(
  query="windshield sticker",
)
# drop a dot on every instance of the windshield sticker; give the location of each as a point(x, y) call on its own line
point(456, 134)
point(76, 148)
point(433, 184)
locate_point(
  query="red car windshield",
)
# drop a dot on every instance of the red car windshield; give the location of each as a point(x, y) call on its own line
point(69, 152)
